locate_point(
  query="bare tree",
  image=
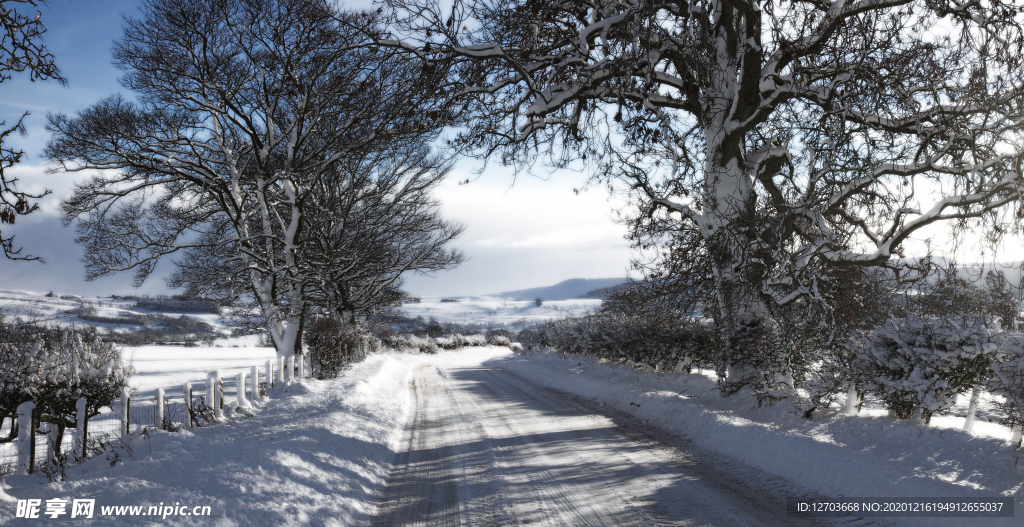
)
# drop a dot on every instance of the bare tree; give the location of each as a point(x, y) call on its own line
point(244, 109)
point(21, 49)
point(780, 138)
point(377, 221)
point(368, 222)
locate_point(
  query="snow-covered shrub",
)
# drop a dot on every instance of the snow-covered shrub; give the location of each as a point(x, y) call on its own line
point(659, 341)
point(458, 340)
point(1007, 380)
point(501, 340)
point(54, 367)
point(332, 344)
point(924, 362)
point(411, 343)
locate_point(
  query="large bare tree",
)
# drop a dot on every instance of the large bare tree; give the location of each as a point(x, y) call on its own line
point(245, 109)
point(21, 50)
point(769, 140)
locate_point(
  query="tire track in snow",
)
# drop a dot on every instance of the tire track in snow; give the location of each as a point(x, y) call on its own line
point(487, 447)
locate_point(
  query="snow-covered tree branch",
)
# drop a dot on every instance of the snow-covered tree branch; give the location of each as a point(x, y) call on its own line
point(245, 111)
point(21, 49)
point(778, 138)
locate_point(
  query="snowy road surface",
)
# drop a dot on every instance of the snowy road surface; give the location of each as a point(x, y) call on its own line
point(484, 446)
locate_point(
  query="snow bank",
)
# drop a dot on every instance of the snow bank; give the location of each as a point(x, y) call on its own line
point(866, 455)
point(316, 455)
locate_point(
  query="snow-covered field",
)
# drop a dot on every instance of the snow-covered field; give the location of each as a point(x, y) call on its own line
point(169, 367)
point(494, 310)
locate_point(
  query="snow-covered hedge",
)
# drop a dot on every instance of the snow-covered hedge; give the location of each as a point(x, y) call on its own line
point(410, 343)
point(457, 340)
point(55, 367)
point(922, 363)
point(663, 341)
point(501, 340)
point(1007, 380)
point(332, 344)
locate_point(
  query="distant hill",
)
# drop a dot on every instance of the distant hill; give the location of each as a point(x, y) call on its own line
point(573, 288)
point(600, 293)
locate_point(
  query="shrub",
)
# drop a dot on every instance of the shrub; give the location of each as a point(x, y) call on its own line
point(1007, 380)
point(332, 344)
point(924, 362)
point(54, 367)
point(664, 340)
point(411, 343)
point(501, 340)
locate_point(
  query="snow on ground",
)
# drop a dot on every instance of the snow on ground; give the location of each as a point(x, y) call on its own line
point(870, 455)
point(317, 453)
point(495, 310)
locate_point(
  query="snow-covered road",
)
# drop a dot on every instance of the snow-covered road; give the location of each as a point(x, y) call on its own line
point(484, 446)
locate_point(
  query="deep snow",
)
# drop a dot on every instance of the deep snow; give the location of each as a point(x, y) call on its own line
point(869, 455)
point(317, 453)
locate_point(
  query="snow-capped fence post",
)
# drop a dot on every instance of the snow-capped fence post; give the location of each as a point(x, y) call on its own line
point(282, 373)
point(270, 373)
point(210, 383)
point(187, 392)
point(52, 436)
point(125, 401)
point(972, 408)
point(291, 368)
point(81, 427)
point(255, 389)
point(850, 408)
point(160, 407)
point(218, 394)
point(240, 391)
point(26, 437)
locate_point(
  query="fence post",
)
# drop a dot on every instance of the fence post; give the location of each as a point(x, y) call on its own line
point(218, 394)
point(240, 390)
point(187, 392)
point(300, 361)
point(26, 437)
point(52, 436)
point(282, 373)
point(210, 391)
point(270, 373)
point(291, 368)
point(255, 391)
point(125, 401)
point(160, 408)
point(81, 427)
point(972, 409)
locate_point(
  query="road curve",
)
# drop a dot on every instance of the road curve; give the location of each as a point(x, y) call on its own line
point(484, 446)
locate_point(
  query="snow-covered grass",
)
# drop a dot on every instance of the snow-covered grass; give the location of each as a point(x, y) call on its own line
point(317, 453)
point(494, 310)
point(869, 455)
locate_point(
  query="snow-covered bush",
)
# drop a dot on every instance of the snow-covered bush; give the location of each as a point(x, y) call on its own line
point(501, 340)
point(922, 363)
point(54, 367)
point(457, 340)
point(332, 344)
point(1007, 380)
point(664, 341)
point(411, 343)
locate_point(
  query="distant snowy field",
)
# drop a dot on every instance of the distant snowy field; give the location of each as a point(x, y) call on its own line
point(495, 310)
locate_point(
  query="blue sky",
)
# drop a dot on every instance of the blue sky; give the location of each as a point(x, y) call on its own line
point(536, 232)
